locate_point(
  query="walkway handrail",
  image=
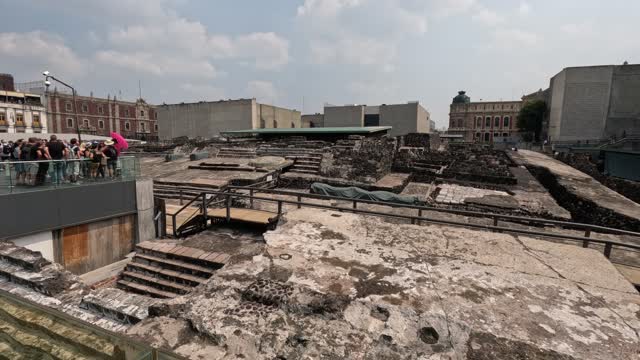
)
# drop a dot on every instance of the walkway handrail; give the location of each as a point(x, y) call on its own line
point(608, 244)
point(541, 221)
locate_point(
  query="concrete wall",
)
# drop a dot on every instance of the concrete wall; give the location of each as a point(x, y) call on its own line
point(624, 107)
point(206, 119)
point(404, 118)
point(316, 119)
point(42, 241)
point(340, 116)
point(556, 88)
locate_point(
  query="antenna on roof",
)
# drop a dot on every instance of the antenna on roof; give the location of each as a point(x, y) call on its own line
point(139, 89)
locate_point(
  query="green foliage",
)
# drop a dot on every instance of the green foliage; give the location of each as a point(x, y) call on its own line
point(530, 119)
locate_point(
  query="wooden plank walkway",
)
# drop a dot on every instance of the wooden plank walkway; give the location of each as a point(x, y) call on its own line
point(244, 215)
point(184, 216)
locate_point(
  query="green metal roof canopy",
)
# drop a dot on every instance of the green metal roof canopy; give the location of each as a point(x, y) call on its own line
point(311, 131)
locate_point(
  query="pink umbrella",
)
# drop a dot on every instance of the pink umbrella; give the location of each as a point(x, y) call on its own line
point(120, 142)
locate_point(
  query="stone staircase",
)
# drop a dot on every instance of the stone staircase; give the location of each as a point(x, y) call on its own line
point(237, 152)
point(165, 270)
point(118, 305)
point(305, 160)
point(307, 164)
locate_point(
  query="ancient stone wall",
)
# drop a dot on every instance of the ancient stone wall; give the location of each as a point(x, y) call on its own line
point(582, 209)
point(365, 159)
point(582, 162)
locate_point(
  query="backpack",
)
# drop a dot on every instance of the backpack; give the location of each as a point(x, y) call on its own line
point(25, 152)
point(73, 152)
point(6, 149)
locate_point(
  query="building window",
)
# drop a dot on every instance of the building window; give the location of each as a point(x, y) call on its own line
point(487, 122)
point(479, 122)
point(460, 123)
point(19, 119)
point(506, 122)
point(495, 135)
point(36, 120)
point(67, 106)
point(126, 112)
point(3, 118)
point(155, 127)
point(505, 134)
point(143, 126)
point(85, 123)
point(85, 107)
point(486, 137)
point(100, 109)
point(141, 113)
point(101, 124)
point(127, 126)
point(69, 122)
point(496, 122)
point(477, 135)
point(293, 125)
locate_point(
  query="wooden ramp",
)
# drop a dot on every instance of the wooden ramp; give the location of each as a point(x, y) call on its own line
point(185, 215)
point(252, 216)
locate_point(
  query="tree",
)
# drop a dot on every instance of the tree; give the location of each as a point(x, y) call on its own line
point(530, 119)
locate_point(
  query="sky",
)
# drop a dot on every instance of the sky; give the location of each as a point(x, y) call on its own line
point(302, 54)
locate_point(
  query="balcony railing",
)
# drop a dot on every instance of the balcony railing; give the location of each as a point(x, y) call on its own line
point(26, 176)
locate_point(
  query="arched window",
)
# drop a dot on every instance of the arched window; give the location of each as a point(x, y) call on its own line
point(486, 137)
point(127, 126)
point(479, 122)
point(275, 124)
point(496, 122)
point(487, 122)
point(293, 125)
point(506, 122)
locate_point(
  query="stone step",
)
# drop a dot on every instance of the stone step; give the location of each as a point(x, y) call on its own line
point(117, 304)
point(239, 150)
point(35, 331)
point(304, 157)
point(155, 282)
point(157, 271)
point(233, 155)
point(305, 167)
point(22, 257)
point(146, 290)
point(304, 171)
point(309, 162)
point(178, 265)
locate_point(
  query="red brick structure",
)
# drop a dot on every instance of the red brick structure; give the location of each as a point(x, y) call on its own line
point(99, 116)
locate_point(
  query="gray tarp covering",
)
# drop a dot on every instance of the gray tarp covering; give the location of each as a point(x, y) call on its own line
point(357, 193)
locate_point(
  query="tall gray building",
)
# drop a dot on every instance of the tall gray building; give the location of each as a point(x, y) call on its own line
point(208, 118)
point(403, 118)
point(594, 103)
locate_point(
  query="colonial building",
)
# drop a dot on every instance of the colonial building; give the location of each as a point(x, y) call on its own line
point(22, 113)
point(99, 116)
point(485, 121)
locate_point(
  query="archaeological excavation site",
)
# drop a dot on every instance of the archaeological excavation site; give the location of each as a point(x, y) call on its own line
point(329, 243)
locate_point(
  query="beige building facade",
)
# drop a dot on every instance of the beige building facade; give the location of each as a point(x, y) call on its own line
point(484, 121)
point(22, 113)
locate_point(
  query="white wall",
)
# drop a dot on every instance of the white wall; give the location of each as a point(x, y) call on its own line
point(42, 242)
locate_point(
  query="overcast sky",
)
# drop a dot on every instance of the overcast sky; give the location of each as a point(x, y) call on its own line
point(304, 53)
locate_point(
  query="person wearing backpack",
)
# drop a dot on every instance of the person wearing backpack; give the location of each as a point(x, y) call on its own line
point(112, 158)
point(26, 153)
point(6, 151)
point(73, 165)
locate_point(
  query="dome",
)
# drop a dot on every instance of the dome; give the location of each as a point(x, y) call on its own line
point(461, 98)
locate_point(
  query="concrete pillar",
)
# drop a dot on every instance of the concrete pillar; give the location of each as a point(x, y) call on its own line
point(144, 205)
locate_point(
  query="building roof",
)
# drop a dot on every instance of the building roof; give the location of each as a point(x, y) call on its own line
point(311, 131)
point(461, 98)
point(16, 94)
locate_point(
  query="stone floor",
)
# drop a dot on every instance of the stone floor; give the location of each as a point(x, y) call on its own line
point(457, 194)
point(343, 286)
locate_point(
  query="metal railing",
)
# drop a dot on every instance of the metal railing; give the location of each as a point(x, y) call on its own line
point(416, 219)
point(27, 176)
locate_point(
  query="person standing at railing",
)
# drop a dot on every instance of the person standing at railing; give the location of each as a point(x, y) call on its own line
point(73, 166)
point(28, 153)
point(58, 152)
point(111, 155)
point(42, 154)
point(15, 158)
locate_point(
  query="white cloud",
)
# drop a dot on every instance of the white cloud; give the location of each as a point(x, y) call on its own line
point(451, 7)
point(263, 91)
point(268, 50)
point(201, 92)
point(513, 38)
point(148, 62)
point(577, 29)
point(524, 8)
point(38, 51)
point(488, 17)
point(323, 8)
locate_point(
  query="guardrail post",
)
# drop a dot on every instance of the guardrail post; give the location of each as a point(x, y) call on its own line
point(279, 208)
point(607, 250)
point(299, 200)
point(204, 209)
point(587, 233)
point(173, 221)
point(355, 204)
point(181, 197)
point(251, 198)
point(419, 215)
point(228, 205)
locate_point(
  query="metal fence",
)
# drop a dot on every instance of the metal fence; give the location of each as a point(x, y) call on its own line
point(26, 176)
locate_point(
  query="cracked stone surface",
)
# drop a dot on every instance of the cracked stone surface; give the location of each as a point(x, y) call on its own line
point(457, 194)
point(330, 285)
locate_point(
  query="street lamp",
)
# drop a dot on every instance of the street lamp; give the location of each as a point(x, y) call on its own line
point(47, 83)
